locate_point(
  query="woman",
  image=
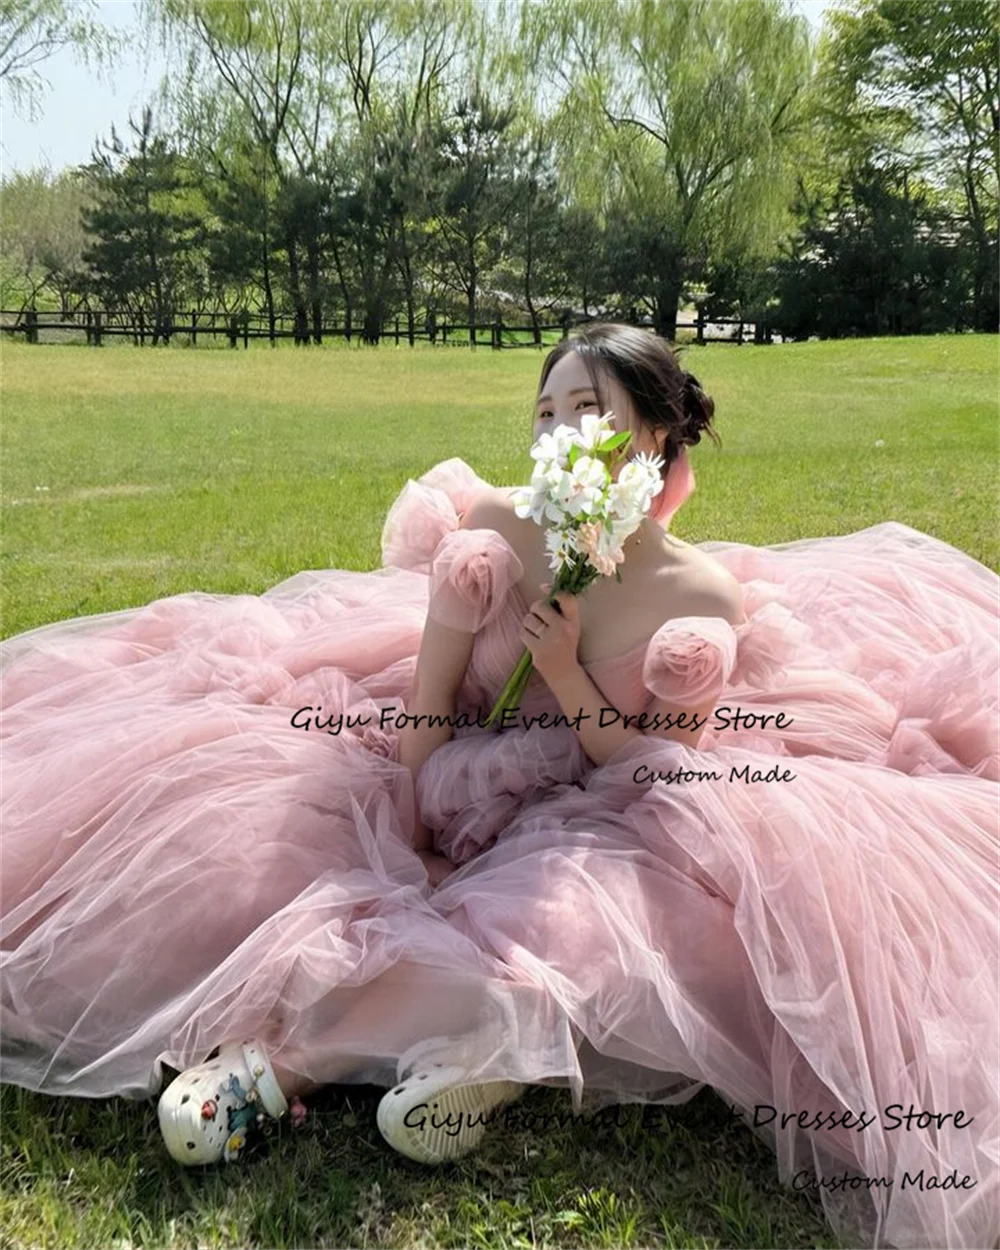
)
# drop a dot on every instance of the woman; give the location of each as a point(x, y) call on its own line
point(222, 841)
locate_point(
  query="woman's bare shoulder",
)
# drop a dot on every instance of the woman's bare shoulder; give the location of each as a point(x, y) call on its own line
point(699, 585)
point(492, 509)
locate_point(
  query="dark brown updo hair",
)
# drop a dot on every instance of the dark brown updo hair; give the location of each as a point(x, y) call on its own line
point(664, 395)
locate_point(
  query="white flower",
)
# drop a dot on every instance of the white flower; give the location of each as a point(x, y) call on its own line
point(594, 429)
point(561, 546)
point(631, 497)
point(555, 445)
point(880, 442)
point(627, 504)
point(642, 475)
point(589, 479)
point(548, 483)
point(523, 499)
point(653, 468)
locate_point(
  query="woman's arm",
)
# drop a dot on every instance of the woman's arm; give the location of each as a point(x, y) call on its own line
point(576, 693)
point(441, 664)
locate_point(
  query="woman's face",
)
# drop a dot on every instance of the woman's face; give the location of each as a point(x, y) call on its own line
point(569, 395)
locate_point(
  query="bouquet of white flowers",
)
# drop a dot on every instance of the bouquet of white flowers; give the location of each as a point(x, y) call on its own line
point(590, 515)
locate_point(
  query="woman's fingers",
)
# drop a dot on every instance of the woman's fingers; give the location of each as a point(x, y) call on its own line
point(544, 611)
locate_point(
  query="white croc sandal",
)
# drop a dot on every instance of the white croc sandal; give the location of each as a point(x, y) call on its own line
point(205, 1112)
point(436, 1114)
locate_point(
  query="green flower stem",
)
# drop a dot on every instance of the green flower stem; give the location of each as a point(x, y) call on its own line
point(510, 695)
point(572, 580)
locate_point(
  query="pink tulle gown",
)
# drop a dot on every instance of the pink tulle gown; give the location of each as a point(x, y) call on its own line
point(188, 858)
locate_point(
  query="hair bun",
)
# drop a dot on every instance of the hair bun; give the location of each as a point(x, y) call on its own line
point(698, 410)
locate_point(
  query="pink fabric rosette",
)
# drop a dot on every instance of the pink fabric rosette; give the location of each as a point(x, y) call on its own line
point(689, 659)
point(471, 575)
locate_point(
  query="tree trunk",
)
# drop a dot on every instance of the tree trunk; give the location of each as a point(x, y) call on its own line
point(315, 292)
point(345, 290)
point(298, 304)
point(667, 298)
point(269, 295)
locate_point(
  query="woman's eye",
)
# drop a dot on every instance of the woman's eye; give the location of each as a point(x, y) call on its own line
point(586, 402)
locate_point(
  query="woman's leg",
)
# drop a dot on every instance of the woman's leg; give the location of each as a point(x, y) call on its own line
point(406, 1003)
point(292, 1083)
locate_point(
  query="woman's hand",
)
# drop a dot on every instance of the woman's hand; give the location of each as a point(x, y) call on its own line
point(551, 637)
point(438, 866)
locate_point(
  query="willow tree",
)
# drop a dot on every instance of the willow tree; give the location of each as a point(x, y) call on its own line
point(682, 115)
point(339, 95)
point(32, 30)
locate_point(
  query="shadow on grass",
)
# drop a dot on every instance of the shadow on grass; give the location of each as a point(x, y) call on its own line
point(81, 1172)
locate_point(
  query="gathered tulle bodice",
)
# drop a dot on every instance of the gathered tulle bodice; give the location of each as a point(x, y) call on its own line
point(474, 580)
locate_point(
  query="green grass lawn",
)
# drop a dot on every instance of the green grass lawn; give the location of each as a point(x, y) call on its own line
point(218, 470)
point(131, 474)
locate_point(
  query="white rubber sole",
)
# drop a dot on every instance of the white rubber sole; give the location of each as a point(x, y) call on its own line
point(204, 1113)
point(435, 1115)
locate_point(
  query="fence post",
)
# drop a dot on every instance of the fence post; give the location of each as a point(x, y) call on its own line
point(31, 320)
point(246, 330)
point(87, 326)
point(232, 330)
point(444, 332)
point(98, 342)
point(700, 334)
point(194, 328)
point(397, 331)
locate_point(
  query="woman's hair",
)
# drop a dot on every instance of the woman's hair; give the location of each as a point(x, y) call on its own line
point(664, 395)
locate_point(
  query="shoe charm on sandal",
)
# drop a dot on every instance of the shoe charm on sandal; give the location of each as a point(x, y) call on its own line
point(297, 1111)
point(241, 1116)
point(235, 1144)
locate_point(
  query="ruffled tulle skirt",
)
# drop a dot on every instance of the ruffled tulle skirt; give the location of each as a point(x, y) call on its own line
point(186, 860)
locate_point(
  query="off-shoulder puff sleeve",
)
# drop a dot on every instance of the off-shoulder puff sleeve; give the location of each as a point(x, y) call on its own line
point(690, 659)
point(472, 572)
point(425, 510)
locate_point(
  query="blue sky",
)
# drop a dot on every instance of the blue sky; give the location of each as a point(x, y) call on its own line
point(81, 104)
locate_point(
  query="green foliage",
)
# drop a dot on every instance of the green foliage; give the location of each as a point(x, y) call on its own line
point(367, 160)
point(143, 239)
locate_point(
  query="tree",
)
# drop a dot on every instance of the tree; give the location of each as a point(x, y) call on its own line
point(324, 92)
point(921, 79)
point(31, 30)
point(43, 237)
point(539, 252)
point(242, 226)
point(479, 193)
point(144, 239)
point(719, 94)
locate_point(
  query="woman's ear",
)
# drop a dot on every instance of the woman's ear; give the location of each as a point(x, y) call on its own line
point(661, 435)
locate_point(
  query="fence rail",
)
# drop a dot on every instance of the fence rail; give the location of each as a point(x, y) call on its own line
point(100, 324)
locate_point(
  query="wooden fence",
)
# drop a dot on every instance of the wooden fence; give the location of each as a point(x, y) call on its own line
point(98, 325)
